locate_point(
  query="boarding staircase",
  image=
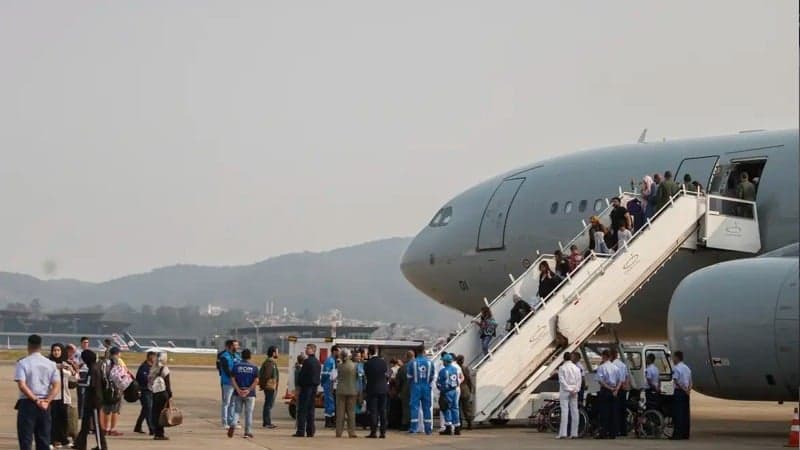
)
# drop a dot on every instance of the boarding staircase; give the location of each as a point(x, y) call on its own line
point(592, 295)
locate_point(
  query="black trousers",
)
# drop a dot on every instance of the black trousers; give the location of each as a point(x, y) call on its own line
point(306, 410)
point(59, 422)
point(90, 419)
point(160, 400)
point(146, 413)
point(33, 424)
point(680, 415)
point(606, 413)
point(622, 408)
point(376, 405)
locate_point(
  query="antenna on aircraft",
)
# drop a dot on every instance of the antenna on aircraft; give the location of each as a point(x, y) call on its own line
point(642, 137)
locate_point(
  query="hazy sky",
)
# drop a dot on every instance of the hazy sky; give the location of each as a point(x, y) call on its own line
point(141, 134)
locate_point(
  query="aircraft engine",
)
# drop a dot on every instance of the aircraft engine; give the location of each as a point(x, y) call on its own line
point(737, 325)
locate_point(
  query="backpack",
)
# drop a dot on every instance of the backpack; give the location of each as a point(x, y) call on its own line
point(110, 393)
point(132, 393)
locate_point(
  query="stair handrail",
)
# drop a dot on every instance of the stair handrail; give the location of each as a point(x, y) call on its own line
point(610, 258)
point(540, 305)
point(533, 266)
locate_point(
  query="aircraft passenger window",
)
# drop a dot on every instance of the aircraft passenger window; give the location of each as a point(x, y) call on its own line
point(442, 217)
point(567, 207)
point(598, 205)
point(582, 206)
point(554, 208)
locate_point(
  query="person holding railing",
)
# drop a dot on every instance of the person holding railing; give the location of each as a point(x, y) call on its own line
point(520, 309)
point(597, 237)
point(487, 326)
point(619, 217)
point(548, 280)
point(562, 264)
point(575, 258)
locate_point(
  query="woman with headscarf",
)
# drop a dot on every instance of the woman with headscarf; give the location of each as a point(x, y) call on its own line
point(159, 384)
point(58, 409)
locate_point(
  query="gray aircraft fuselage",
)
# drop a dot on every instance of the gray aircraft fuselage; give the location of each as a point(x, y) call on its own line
point(495, 228)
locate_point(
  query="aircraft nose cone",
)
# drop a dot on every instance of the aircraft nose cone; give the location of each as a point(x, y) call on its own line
point(414, 265)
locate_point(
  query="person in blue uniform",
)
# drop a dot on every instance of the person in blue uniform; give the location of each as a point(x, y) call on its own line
point(420, 373)
point(328, 380)
point(609, 379)
point(447, 383)
point(682, 377)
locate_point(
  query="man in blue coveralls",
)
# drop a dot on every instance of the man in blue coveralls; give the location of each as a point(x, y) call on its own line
point(448, 393)
point(328, 379)
point(420, 374)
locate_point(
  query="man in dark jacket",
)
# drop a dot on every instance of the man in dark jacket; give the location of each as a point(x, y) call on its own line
point(666, 190)
point(403, 391)
point(309, 379)
point(146, 398)
point(377, 374)
point(93, 393)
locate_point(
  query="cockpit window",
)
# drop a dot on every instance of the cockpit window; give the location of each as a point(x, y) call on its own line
point(442, 217)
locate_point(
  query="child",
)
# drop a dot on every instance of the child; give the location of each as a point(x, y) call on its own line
point(575, 258)
point(624, 235)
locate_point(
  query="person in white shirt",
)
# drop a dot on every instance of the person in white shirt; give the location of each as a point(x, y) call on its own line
point(624, 235)
point(576, 359)
point(682, 377)
point(622, 396)
point(39, 382)
point(651, 375)
point(569, 384)
point(609, 378)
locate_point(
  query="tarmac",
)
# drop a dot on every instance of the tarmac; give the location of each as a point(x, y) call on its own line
point(715, 424)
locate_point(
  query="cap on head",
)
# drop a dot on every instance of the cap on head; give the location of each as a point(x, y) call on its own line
point(447, 357)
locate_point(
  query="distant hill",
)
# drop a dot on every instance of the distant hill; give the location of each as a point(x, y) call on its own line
point(364, 281)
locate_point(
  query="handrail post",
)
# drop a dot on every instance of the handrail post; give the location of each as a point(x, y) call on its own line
point(511, 277)
point(560, 247)
point(485, 302)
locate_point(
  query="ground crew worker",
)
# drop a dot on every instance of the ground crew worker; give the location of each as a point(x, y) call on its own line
point(746, 191)
point(39, 382)
point(403, 390)
point(447, 383)
point(420, 374)
point(569, 384)
point(465, 392)
point(608, 377)
point(651, 375)
point(682, 376)
point(621, 402)
point(328, 377)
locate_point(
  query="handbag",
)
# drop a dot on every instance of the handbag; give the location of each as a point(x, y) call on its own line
point(170, 416)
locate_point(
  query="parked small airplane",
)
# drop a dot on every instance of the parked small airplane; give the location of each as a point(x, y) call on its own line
point(131, 343)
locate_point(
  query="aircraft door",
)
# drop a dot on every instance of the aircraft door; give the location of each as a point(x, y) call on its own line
point(491, 234)
point(699, 168)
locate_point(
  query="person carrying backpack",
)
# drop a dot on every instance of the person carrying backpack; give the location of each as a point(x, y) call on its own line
point(268, 377)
